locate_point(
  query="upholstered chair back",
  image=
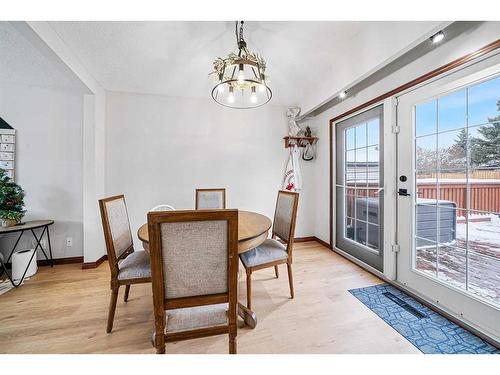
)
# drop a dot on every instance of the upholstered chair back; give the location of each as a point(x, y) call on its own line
point(116, 228)
point(210, 199)
point(192, 251)
point(285, 215)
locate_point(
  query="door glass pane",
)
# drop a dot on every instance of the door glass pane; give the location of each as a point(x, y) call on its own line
point(482, 102)
point(457, 177)
point(452, 266)
point(452, 150)
point(361, 135)
point(426, 153)
point(426, 118)
point(484, 277)
point(350, 143)
point(362, 178)
point(452, 188)
point(426, 256)
point(452, 111)
point(426, 186)
point(373, 132)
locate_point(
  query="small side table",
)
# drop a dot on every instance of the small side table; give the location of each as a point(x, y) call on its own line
point(28, 226)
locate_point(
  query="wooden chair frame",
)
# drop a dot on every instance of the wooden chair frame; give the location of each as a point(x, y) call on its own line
point(223, 190)
point(289, 248)
point(113, 262)
point(155, 219)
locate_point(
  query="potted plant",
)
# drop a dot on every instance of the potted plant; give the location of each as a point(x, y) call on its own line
point(11, 201)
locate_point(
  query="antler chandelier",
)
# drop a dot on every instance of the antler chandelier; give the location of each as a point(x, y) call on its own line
point(241, 81)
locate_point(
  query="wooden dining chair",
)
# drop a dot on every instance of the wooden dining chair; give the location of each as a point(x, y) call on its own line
point(127, 266)
point(194, 264)
point(272, 252)
point(210, 199)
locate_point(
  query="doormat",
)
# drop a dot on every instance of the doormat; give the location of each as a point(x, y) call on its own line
point(429, 331)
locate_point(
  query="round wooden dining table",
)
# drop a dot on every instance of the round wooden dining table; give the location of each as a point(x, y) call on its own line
point(253, 230)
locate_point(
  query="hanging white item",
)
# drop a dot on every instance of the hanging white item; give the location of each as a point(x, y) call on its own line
point(293, 129)
point(292, 180)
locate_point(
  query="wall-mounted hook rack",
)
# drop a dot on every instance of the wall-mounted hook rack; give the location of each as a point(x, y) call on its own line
point(299, 141)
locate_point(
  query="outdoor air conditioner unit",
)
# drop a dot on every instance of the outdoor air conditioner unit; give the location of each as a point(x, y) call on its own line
point(426, 221)
point(428, 210)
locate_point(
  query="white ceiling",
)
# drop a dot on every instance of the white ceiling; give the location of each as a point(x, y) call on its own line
point(174, 58)
point(26, 62)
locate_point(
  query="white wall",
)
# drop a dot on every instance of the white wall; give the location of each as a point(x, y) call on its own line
point(160, 149)
point(453, 49)
point(42, 35)
point(48, 125)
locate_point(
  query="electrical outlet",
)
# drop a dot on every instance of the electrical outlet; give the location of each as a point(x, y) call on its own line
point(69, 241)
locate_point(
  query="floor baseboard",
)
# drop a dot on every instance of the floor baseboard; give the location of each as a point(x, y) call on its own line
point(312, 238)
point(97, 263)
point(57, 261)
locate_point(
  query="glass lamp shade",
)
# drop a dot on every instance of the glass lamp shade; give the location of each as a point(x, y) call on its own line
point(241, 87)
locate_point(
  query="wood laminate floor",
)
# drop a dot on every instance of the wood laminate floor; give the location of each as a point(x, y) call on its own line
point(64, 310)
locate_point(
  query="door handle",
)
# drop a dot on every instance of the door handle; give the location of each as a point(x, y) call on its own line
point(404, 192)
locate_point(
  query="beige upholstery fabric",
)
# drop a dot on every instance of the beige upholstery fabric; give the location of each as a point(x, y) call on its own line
point(196, 317)
point(195, 257)
point(135, 266)
point(210, 199)
point(269, 251)
point(119, 224)
point(283, 215)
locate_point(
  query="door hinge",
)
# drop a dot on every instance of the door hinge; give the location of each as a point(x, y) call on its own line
point(395, 248)
point(395, 101)
point(395, 129)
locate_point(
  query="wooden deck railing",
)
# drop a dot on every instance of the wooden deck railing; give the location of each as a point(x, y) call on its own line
point(483, 195)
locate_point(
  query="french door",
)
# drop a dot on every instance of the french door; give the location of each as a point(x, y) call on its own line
point(449, 193)
point(359, 182)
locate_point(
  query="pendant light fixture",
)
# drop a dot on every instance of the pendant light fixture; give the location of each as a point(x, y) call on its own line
point(241, 80)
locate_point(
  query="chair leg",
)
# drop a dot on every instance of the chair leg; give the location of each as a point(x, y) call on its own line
point(232, 343)
point(160, 344)
point(290, 279)
point(249, 289)
point(276, 271)
point(127, 290)
point(112, 308)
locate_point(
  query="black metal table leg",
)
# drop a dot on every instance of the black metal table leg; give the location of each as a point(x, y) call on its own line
point(22, 228)
point(50, 247)
point(38, 242)
point(4, 269)
point(15, 245)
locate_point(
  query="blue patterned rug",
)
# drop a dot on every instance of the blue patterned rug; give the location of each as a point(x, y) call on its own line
point(426, 329)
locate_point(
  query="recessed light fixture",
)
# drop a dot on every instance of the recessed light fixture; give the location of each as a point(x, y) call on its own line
point(436, 38)
point(343, 94)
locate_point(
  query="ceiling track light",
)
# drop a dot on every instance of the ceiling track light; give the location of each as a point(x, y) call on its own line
point(436, 38)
